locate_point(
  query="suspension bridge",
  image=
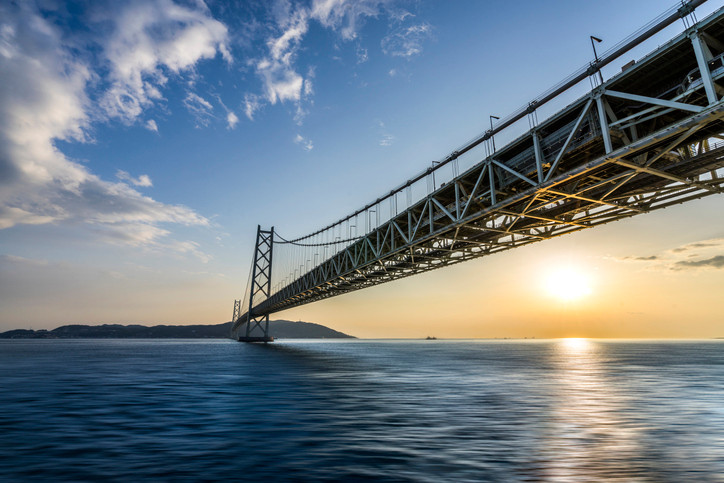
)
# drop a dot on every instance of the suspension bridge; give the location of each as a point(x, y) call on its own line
point(649, 137)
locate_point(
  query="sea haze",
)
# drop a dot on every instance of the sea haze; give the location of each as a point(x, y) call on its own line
point(565, 410)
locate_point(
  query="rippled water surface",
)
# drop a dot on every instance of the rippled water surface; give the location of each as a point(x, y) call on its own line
point(569, 410)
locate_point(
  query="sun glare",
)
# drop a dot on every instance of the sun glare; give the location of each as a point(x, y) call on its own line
point(567, 284)
point(575, 343)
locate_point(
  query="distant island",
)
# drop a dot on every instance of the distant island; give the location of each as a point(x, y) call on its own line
point(279, 329)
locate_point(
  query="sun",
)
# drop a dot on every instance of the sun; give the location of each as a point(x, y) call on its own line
point(575, 344)
point(568, 284)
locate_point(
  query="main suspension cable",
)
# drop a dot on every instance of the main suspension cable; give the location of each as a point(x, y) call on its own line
point(284, 241)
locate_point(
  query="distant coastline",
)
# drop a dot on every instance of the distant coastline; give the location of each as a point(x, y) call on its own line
point(280, 329)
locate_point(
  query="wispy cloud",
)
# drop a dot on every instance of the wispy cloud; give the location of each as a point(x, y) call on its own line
point(151, 125)
point(12, 215)
point(200, 108)
point(252, 103)
point(151, 40)
point(231, 120)
point(282, 79)
point(52, 90)
point(142, 180)
point(713, 262)
point(387, 140)
point(705, 254)
point(362, 55)
point(44, 99)
point(713, 243)
point(304, 142)
point(346, 16)
point(406, 41)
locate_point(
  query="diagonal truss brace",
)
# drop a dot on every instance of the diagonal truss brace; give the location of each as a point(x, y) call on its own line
point(260, 290)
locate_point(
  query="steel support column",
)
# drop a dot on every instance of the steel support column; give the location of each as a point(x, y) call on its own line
point(605, 132)
point(260, 286)
point(702, 61)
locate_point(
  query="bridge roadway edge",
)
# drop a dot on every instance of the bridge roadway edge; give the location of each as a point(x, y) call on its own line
point(316, 284)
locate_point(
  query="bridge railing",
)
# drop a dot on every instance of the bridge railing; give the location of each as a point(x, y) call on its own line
point(441, 197)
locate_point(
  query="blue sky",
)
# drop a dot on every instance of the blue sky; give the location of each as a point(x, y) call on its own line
point(143, 141)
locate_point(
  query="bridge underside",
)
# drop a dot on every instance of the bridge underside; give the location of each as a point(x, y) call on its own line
point(651, 137)
point(608, 189)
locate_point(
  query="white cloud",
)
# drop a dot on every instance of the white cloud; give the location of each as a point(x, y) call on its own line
point(308, 85)
point(281, 80)
point(362, 55)
point(150, 238)
point(299, 114)
point(231, 120)
point(11, 216)
point(307, 144)
point(346, 16)
point(192, 248)
point(201, 109)
point(133, 234)
point(252, 103)
point(150, 40)
point(142, 180)
point(387, 140)
point(151, 125)
point(406, 41)
point(43, 99)
point(399, 15)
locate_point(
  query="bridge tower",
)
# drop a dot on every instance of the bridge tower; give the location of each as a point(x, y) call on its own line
point(257, 326)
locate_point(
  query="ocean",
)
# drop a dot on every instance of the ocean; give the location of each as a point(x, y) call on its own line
point(382, 410)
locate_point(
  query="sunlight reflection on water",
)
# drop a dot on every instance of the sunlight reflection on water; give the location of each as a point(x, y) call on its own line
point(567, 410)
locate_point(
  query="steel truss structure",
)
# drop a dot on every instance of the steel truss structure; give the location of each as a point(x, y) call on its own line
point(260, 287)
point(648, 138)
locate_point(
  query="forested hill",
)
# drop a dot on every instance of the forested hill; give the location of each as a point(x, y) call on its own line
point(280, 329)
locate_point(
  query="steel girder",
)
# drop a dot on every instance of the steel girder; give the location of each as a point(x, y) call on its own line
point(436, 234)
point(639, 142)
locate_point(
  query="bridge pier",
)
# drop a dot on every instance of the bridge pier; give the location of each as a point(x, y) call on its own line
point(261, 323)
point(260, 286)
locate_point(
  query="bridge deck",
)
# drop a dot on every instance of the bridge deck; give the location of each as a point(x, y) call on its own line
point(643, 140)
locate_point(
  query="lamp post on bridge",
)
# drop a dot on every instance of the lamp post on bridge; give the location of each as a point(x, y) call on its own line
point(369, 219)
point(492, 136)
point(595, 55)
point(434, 163)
